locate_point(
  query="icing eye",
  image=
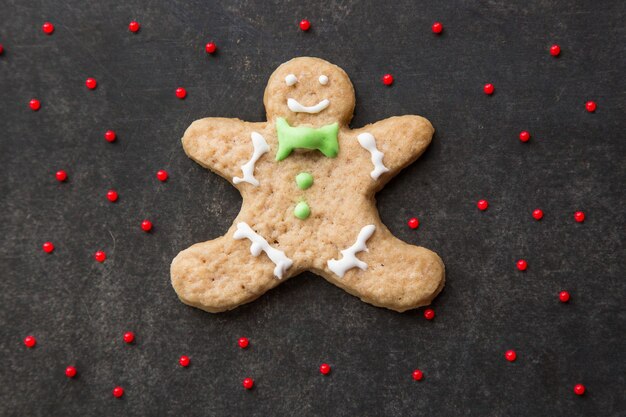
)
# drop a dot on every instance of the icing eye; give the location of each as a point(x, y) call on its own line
point(290, 80)
point(323, 79)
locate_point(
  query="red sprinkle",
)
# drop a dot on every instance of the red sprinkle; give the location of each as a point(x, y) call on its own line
point(579, 216)
point(429, 314)
point(112, 195)
point(110, 136)
point(555, 50)
point(387, 79)
point(210, 48)
point(537, 214)
point(129, 337)
point(47, 28)
point(243, 342)
point(181, 93)
point(184, 361)
point(325, 369)
point(591, 106)
point(30, 341)
point(482, 205)
point(134, 26)
point(61, 175)
point(91, 83)
point(488, 89)
point(34, 104)
point(162, 175)
point(305, 25)
point(579, 389)
point(70, 372)
point(413, 223)
point(118, 392)
point(248, 383)
point(1, 49)
point(48, 247)
point(510, 355)
point(522, 265)
point(524, 136)
point(564, 296)
point(100, 256)
point(437, 28)
point(146, 225)
point(418, 375)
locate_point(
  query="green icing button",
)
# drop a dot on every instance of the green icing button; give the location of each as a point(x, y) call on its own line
point(302, 210)
point(304, 180)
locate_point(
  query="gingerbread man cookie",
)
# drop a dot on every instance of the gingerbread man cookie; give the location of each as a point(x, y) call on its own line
point(308, 183)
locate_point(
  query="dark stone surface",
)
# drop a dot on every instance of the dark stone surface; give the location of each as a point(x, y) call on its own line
point(78, 309)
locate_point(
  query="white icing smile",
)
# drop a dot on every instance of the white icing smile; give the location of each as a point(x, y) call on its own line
point(296, 107)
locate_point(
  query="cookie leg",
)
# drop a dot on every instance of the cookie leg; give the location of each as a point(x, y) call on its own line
point(396, 275)
point(221, 274)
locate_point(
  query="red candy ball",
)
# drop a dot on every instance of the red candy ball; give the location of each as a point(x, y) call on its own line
point(305, 25)
point(30, 341)
point(61, 175)
point(112, 195)
point(184, 361)
point(70, 372)
point(129, 337)
point(579, 216)
point(579, 389)
point(162, 175)
point(118, 392)
point(482, 205)
point(48, 247)
point(134, 26)
point(110, 136)
point(91, 83)
point(181, 93)
point(100, 256)
point(146, 225)
point(210, 48)
point(34, 104)
point(429, 314)
point(47, 28)
point(591, 106)
point(1, 49)
point(564, 296)
point(387, 79)
point(524, 136)
point(488, 89)
point(437, 28)
point(418, 375)
point(325, 369)
point(248, 383)
point(537, 214)
point(555, 50)
point(243, 342)
point(522, 265)
point(413, 223)
point(510, 355)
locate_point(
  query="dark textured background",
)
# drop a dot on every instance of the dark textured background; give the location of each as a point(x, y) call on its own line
point(78, 309)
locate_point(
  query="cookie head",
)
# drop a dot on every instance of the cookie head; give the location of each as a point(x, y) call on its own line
point(309, 91)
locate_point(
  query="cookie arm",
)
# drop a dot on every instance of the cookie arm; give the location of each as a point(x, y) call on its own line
point(401, 140)
point(221, 145)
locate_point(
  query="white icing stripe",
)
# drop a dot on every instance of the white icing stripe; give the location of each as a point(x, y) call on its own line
point(349, 260)
point(291, 80)
point(282, 262)
point(260, 147)
point(296, 107)
point(368, 141)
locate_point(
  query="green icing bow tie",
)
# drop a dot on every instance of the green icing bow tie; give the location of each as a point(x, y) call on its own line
point(324, 139)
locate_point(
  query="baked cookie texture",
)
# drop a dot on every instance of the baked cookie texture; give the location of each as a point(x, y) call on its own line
point(267, 243)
